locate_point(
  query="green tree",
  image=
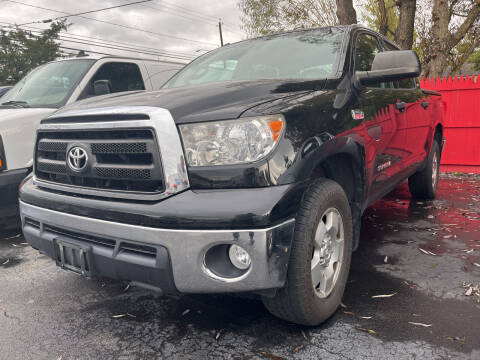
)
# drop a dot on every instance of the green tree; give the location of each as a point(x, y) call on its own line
point(22, 51)
point(475, 60)
point(262, 17)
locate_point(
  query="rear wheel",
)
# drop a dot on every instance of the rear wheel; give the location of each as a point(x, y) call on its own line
point(319, 259)
point(423, 184)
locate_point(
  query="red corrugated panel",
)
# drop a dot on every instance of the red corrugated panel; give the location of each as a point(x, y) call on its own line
point(462, 122)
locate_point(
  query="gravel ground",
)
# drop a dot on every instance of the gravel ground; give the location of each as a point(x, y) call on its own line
point(426, 253)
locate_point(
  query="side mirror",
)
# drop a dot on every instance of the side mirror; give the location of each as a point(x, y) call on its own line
point(390, 66)
point(101, 87)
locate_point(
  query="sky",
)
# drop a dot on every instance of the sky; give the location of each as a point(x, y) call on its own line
point(181, 29)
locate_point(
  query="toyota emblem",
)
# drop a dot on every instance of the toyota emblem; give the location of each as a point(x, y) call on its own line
point(77, 158)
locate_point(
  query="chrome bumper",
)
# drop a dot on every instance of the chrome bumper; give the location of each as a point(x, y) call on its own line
point(269, 248)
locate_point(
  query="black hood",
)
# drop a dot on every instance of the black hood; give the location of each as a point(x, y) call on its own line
point(213, 101)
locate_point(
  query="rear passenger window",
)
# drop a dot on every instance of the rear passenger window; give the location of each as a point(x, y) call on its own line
point(121, 76)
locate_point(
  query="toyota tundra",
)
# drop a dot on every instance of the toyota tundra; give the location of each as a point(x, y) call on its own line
point(248, 171)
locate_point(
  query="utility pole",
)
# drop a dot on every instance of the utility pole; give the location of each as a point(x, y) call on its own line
point(220, 30)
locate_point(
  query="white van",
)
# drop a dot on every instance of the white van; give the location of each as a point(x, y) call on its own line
point(53, 85)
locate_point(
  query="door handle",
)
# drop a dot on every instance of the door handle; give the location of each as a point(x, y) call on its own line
point(400, 105)
point(425, 104)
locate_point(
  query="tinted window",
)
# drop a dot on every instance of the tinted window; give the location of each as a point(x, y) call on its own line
point(295, 55)
point(121, 76)
point(366, 47)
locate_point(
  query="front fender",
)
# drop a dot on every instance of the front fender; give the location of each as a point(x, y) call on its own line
point(290, 167)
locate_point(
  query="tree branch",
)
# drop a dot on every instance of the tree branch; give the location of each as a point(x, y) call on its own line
point(472, 16)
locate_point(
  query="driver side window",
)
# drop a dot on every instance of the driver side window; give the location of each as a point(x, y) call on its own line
point(120, 76)
point(366, 47)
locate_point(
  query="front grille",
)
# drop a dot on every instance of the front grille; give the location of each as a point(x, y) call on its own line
point(119, 160)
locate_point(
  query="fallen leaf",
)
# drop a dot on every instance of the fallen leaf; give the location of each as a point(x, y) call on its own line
point(126, 288)
point(343, 305)
point(370, 331)
point(118, 316)
point(6, 262)
point(365, 317)
point(304, 335)
point(60, 357)
point(456, 338)
point(384, 296)
point(185, 312)
point(385, 260)
point(419, 324)
point(476, 264)
point(423, 251)
point(131, 315)
point(271, 356)
point(219, 333)
point(298, 348)
point(349, 313)
point(469, 291)
point(427, 252)
point(447, 236)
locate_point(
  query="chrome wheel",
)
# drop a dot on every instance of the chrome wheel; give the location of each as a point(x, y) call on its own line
point(327, 255)
point(434, 170)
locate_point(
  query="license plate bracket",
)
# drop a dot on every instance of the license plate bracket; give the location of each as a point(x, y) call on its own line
point(73, 256)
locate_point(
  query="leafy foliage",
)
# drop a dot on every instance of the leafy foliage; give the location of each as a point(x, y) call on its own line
point(385, 22)
point(475, 60)
point(22, 51)
point(262, 17)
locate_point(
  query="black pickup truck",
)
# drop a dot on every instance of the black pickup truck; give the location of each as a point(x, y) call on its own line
point(248, 172)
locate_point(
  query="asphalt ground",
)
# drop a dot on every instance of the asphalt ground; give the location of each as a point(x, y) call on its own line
point(425, 255)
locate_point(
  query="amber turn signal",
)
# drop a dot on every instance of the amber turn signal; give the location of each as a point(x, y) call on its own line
point(276, 128)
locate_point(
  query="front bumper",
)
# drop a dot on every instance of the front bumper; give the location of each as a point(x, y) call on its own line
point(9, 182)
point(179, 259)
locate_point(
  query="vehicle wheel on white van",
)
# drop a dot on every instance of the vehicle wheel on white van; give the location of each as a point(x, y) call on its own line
point(423, 184)
point(320, 257)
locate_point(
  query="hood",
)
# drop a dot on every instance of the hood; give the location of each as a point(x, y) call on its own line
point(17, 116)
point(18, 128)
point(213, 101)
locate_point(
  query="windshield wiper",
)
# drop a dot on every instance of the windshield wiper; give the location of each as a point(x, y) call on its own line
point(16, 103)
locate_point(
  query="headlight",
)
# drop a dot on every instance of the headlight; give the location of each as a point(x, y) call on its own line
point(231, 142)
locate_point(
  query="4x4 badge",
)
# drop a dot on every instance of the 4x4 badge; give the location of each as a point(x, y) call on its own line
point(358, 115)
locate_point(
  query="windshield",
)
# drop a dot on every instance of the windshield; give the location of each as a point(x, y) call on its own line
point(297, 55)
point(48, 85)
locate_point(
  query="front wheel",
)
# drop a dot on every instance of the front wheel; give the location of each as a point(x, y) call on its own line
point(423, 184)
point(319, 259)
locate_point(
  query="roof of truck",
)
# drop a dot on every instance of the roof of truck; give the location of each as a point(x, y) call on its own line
point(97, 56)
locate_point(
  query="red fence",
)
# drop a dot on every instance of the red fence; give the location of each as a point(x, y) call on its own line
point(462, 122)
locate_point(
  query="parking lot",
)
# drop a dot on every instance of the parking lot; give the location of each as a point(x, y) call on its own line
point(421, 257)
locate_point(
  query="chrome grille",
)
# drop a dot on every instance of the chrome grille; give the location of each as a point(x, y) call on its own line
point(120, 160)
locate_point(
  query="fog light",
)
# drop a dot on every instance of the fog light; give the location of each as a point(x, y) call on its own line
point(239, 257)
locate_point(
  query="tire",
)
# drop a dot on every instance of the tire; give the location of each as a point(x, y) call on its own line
point(298, 301)
point(423, 184)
